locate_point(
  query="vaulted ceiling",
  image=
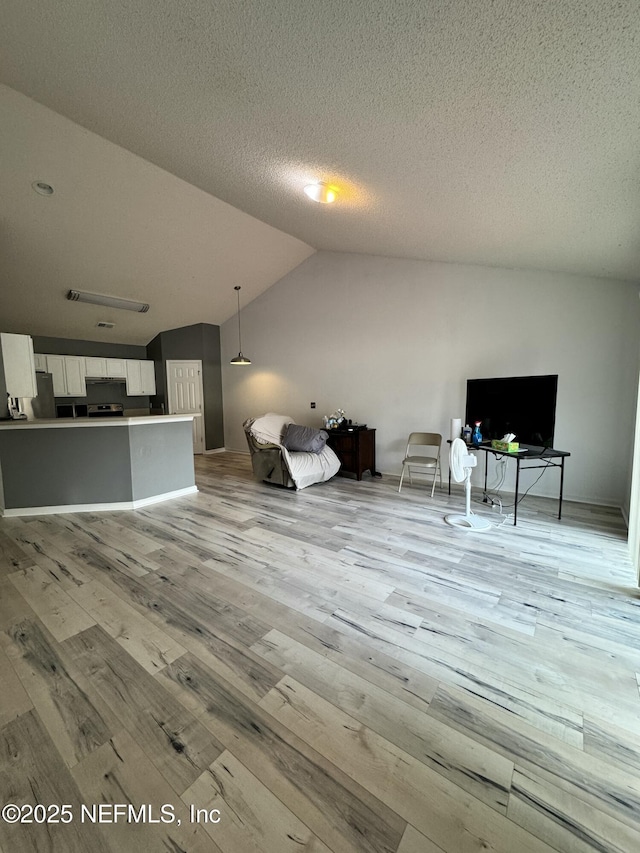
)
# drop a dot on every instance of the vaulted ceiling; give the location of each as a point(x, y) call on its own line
point(500, 133)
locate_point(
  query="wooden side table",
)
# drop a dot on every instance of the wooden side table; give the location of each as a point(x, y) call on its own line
point(356, 450)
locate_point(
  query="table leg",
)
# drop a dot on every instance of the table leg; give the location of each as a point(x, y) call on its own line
point(561, 488)
point(515, 505)
point(486, 465)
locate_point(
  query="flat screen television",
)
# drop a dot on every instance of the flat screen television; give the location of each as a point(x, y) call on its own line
point(524, 405)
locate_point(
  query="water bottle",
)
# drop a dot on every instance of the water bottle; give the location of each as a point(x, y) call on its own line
point(466, 434)
point(476, 438)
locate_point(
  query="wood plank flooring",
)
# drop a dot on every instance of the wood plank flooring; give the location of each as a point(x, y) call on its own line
point(330, 671)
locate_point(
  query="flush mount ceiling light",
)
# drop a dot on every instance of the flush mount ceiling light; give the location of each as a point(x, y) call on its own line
point(239, 359)
point(42, 188)
point(109, 301)
point(321, 192)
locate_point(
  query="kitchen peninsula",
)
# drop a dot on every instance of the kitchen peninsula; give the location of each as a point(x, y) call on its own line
point(91, 465)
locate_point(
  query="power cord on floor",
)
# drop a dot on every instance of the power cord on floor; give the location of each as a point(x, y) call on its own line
point(505, 518)
point(492, 497)
point(522, 497)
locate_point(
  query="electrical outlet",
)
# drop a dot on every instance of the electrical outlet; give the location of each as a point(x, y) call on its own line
point(313, 405)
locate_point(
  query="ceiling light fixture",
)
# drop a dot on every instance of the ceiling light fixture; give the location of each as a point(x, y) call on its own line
point(321, 192)
point(239, 359)
point(109, 301)
point(42, 188)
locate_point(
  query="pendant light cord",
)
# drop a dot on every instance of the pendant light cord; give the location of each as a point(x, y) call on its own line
point(237, 288)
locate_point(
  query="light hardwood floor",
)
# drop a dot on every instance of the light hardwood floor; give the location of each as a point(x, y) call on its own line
point(334, 671)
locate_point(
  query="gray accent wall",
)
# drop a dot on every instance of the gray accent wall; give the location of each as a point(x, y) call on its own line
point(58, 466)
point(161, 458)
point(4, 400)
point(200, 342)
point(71, 346)
point(53, 467)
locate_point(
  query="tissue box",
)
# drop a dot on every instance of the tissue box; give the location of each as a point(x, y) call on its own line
point(506, 446)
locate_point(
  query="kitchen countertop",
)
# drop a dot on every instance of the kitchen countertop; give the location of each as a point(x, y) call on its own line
point(75, 423)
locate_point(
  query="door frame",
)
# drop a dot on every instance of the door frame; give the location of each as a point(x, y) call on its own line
point(198, 361)
point(633, 522)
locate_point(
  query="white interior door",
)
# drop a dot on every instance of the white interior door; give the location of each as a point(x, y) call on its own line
point(184, 395)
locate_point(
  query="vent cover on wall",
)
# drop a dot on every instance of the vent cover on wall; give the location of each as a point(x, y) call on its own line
point(102, 324)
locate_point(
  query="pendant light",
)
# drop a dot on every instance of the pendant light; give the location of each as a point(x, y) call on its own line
point(239, 359)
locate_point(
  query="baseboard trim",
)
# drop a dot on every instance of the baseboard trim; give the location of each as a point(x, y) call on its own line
point(107, 507)
point(625, 516)
point(215, 450)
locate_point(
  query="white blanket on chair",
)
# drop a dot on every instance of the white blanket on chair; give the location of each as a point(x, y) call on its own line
point(309, 468)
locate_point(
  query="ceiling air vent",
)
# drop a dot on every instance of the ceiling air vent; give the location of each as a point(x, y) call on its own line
point(102, 324)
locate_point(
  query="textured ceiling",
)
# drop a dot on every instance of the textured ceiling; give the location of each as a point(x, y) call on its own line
point(118, 225)
point(503, 133)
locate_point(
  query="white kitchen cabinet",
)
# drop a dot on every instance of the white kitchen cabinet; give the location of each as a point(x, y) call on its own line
point(116, 368)
point(134, 378)
point(18, 365)
point(95, 366)
point(40, 362)
point(71, 371)
point(98, 367)
point(74, 371)
point(141, 378)
point(68, 373)
point(55, 366)
point(148, 375)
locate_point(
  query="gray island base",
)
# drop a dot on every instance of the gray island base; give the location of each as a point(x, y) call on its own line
point(101, 464)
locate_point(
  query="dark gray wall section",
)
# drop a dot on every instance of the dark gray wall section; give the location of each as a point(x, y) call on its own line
point(4, 400)
point(212, 383)
point(154, 352)
point(161, 458)
point(202, 343)
point(70, 346)
point(53, 467)
point(111, 392)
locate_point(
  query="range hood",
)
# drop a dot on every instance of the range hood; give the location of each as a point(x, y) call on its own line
point(105, 380)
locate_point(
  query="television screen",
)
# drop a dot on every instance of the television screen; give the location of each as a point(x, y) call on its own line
point(524, 405)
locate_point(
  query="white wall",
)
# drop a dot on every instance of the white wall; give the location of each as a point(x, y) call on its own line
point(392, 342)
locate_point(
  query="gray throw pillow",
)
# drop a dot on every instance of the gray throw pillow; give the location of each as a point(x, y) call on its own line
point(304, 438)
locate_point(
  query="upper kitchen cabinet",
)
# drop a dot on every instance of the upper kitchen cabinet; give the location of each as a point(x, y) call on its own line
point(141, 378)
point(98, 367)
point(68, 373)
point(95, 366)
point(40, 362)
point(18, 365)
point(116, 368)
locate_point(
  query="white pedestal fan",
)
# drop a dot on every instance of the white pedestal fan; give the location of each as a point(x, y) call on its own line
point(460, 463)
